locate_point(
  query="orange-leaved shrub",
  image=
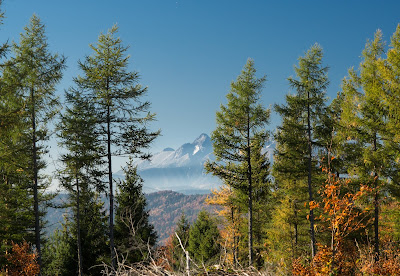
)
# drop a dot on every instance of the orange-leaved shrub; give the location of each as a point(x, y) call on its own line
point(22, 260)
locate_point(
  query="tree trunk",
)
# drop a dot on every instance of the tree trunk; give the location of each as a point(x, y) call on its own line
point(376, 211)
point(35, 183)
point(78, 226)
point(249, 177)
point(110, 180)
point(310, 193)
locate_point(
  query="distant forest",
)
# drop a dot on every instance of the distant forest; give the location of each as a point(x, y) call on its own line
point(327, 205)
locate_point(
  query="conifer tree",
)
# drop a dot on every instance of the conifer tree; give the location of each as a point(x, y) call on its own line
point(310, 88)
point(61, 253)
point(117, 95)
point(15, 205)
point(290, 174)
point(178, 256)
point(83, 161)
point(240, 129)
point(389, 71)
point(204, 243)
point(38, 73)
point(133, 232)
point(363, 124)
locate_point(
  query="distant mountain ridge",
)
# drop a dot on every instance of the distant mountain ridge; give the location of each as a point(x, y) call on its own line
point(182, 170)
point(187, 155)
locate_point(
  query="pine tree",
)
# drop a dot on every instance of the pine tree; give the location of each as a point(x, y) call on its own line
point(204, 239)
point(133, 232)
point(117, 94)
point(38, 71)
point(240, 128)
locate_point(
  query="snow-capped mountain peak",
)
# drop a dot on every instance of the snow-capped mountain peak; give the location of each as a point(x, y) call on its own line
point(189, 154)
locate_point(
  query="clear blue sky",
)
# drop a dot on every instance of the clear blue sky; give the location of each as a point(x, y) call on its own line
point(188, 52)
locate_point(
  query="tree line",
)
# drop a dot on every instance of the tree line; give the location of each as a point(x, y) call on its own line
point(104, 117)
point(327, 205)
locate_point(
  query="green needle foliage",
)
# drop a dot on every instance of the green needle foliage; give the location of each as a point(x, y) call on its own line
point(204, 239)
point(134, 235)
point(122, 116)
point(37, 72)
point(83, 162)
point(239, 132)
point(310, 86)
point(178, 255)
point(363, 132)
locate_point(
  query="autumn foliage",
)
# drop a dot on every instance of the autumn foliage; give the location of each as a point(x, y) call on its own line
point(341, 216)
point(22, 261)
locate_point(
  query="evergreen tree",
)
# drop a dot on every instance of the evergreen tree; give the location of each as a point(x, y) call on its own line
point(240, 129)
point(133, 232)
point(117, 94)
point(38, 73)
point(204, 239)
point(61, 253)
point(178, 255)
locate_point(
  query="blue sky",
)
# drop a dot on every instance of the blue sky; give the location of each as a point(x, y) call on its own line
point(188, 52)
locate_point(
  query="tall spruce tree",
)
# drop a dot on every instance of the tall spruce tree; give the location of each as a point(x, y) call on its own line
point(134, 235)
point(77, 131)
point(38, 71)
point(122, 116)
point(240, 128)
point(310, 84)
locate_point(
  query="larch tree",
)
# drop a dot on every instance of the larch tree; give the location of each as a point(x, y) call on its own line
point(82, 162)
point(39, 71)
point(363, 124)
point(310, 84)
point(290, 172)
point(240, 128)
point(122, 115)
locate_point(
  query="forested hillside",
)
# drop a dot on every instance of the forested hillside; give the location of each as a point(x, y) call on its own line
point(166, 207)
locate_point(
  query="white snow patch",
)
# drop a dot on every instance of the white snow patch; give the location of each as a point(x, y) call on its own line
point(196, 149)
